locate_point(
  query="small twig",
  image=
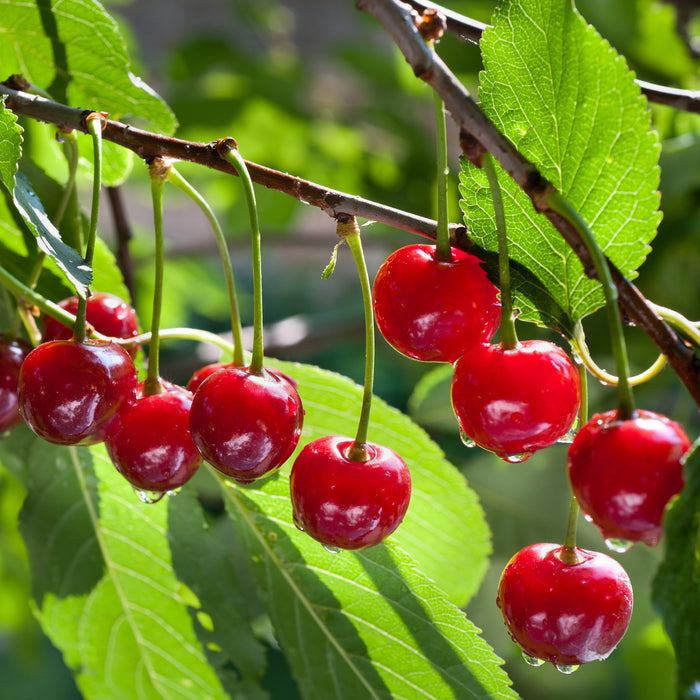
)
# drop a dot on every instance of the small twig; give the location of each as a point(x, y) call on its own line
point(471, 30)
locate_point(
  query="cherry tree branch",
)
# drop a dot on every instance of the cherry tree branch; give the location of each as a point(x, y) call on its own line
point(479, 134)
point(471, 30)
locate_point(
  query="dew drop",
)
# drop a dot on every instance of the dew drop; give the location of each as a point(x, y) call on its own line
point(331, 548)
point(517, 458)
point(173, 492)
point(466, 440)
point(531, 660)
point(569, 436)
point(148, 497)
point(566, 668)
point(617, 545)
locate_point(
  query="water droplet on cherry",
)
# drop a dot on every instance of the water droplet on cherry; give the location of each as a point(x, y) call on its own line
point(531, 660)
point(149, 497)
point(566, 668)
point(517, 458)
point(173, 492)
point(569, 436)
point(331, 548)
point(466, 440)
point(618, 545)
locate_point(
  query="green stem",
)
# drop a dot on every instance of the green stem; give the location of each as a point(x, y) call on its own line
point(159, 171)
point(176, 179)
point(443, 250)
point(625, 400)
point(93, 123)
point(232, 155)
point(509, 337)
point(351, 232)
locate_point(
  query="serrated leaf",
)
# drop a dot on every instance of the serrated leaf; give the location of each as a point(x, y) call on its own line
point(445, 529)
point(362, 624)
point(569, 103)
point(73, 49)
point(676, 587)
point(104, 585)
point(10, 145)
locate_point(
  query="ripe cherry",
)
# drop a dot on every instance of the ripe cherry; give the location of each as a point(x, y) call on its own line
point(204, 372)
point(106, 313)
point(71, 392)
point(624, 472)
point(12, 354)
point(515, 401)
point(246, 424)
point(569, 611)
point(151, 446)
point(346, 503)
point(432, 310)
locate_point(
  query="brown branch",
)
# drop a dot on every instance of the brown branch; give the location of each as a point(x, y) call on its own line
point(471, 30)
point(479, 134)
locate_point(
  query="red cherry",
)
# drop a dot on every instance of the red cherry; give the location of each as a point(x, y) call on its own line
point(71, 392)
point(515, 401)
point(12, 354)
point(566, 613)
point(245, 424)
point(624, 472)
point(432, 310)
point(106, 313)
point(151, 446)
point(204, 372)
point(344, 503)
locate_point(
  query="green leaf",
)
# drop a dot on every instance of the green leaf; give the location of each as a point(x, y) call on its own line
point(430, 403)
point(445, 530)
point(362, 624)
point(73, 50)
point(676, 587)
point(569, 103)
point(10, 145)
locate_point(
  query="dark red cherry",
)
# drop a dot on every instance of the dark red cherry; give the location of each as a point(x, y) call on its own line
point(432, 310)
point(624, 472)
point(566, 613)
point(344, 503)
point(515, 401)
point(246, 424)
point(12, 354)
point(71, 392)
point(151, 446)
point(106, 313)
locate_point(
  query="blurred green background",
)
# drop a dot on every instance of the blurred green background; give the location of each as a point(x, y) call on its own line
point(316, 89)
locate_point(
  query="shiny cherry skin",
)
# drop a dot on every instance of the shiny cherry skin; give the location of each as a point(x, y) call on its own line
point(12, 354)
point(72, 392)
point(204, 372)
point(566, 613)
point(624, 472)
point(345, 503)
point(432, 310)
point(515, 401)
point(246, 424)
point(151, 446)
point(106, 313)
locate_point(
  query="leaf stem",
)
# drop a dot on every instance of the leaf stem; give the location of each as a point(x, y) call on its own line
point(351, 232)
point(625, 401)
point(509, 337)
point(229, 151)
point(176, 179)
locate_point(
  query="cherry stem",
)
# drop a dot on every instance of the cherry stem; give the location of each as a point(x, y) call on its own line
point(229, 151)
point(625, 400)
point(93, 123)
point(176, 179)
point(509, 337)
point(351, 232)
point(443, 250)
point(158, 170)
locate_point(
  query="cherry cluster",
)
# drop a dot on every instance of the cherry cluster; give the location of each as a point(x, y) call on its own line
point(561, 604)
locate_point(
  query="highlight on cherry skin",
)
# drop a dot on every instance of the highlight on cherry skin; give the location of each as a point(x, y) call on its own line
point(106, 313)
point(565, 611)
point(624, 472)
point(432, 310)
point(72, 392)
point(515, 401)
point(12, 354)
point(348, 504)
point(151, 445)
point(246, 424)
